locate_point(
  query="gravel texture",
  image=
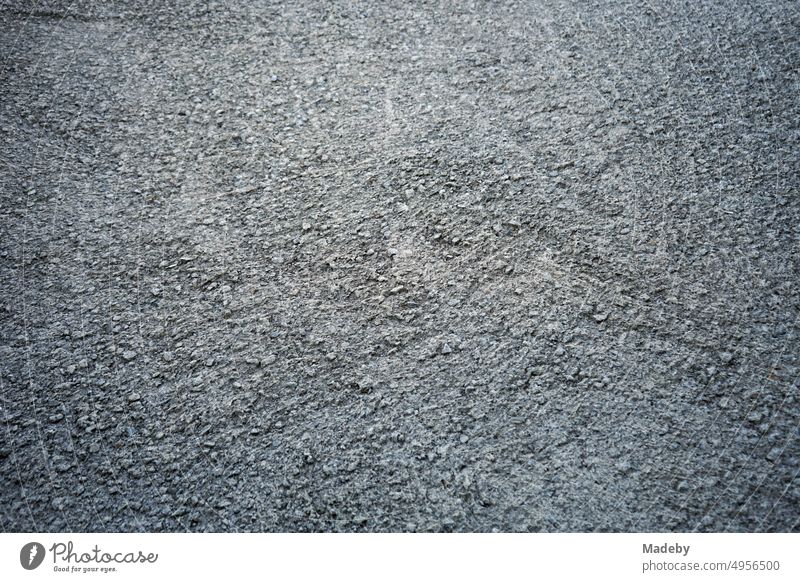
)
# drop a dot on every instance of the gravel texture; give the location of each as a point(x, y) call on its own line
point(399, 266)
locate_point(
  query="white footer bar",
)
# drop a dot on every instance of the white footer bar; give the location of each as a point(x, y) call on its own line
point(380, 557)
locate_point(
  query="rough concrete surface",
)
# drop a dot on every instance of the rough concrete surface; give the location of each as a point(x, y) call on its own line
point(399, 266)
